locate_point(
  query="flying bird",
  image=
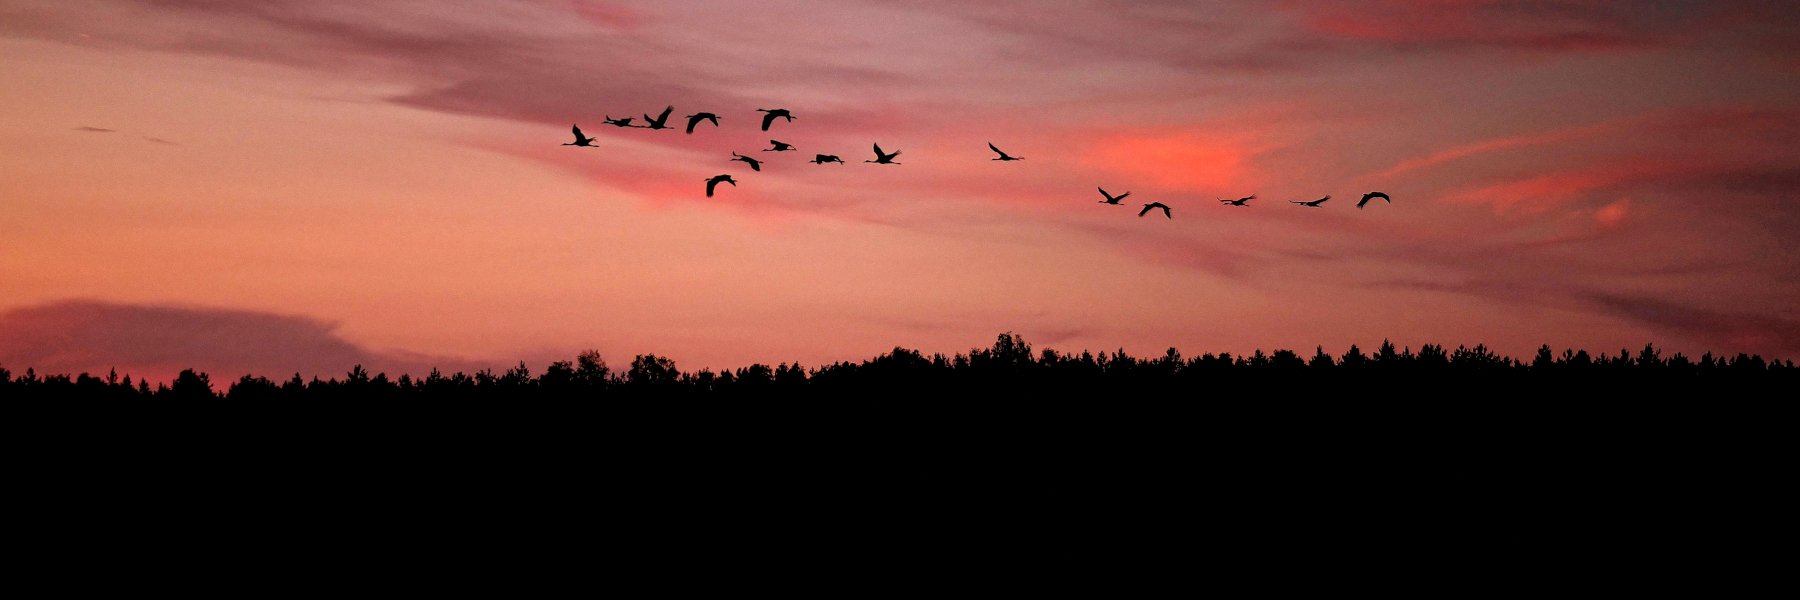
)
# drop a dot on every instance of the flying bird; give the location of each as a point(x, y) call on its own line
point(819, 159)
point(1314, 204)
point(755, 165)
point(1111, 199)
point(774, 114)
point(1156, 205)
point(882, 158)
point(1366, 197)
point(1003, 155)
point(779, 146)
point(1240, 201)
point(582, 140)
point(695, 119)
point(716, 180)
point(658, 122)
point(625, 122)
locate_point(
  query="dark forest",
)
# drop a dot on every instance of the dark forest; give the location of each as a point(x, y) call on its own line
point(1009, 370)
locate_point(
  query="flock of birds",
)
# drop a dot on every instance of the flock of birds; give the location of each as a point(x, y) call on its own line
point(881, 158)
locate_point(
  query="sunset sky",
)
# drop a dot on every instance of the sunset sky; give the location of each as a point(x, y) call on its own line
point(286, 186)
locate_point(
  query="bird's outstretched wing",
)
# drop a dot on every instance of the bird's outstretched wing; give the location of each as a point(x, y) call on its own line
point(1166, 212)
point(664, 116)
point(767, 119)
point(996, 150)
point(1146, 210)
point(878, 152)
point(710, 184)
point(1365, 200)
point(577, 132)
point(692, 121)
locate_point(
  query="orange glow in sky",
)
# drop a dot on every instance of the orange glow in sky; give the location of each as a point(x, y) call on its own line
point(291, 186)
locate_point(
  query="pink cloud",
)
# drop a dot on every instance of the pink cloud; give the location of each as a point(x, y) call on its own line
point(607, 14)
point(1541, 25)
point(1613, 215)
point(1494, 145)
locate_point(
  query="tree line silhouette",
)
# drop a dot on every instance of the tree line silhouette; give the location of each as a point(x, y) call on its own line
point(1010, 371)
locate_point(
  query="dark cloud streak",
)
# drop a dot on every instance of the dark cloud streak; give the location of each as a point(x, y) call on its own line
point(156, 341)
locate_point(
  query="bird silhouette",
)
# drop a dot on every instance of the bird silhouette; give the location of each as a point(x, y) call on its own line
point(1111, 199)
point(882, 158)
point(582, 140)
point(695, 119)
point(1156, 205)
point(1366, 197)
point(1314, 204)
point(779, 147)
point(1003, 155)
point(1240, 201)
point(773, 114)
point(660, 120)
point(819, 159)
point(755, 165)
point(625, 122)
point(716, 180)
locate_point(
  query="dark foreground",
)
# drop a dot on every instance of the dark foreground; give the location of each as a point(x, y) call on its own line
point(1333, 454)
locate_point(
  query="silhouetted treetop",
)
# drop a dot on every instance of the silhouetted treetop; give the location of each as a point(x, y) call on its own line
point(1008, 371)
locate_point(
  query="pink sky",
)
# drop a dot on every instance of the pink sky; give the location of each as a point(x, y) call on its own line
point(314, 183)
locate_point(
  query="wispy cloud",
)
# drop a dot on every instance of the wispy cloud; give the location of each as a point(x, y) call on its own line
point(1495, 145)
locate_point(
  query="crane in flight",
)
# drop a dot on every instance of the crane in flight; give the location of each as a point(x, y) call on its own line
point(1111, 199)
point(755, 165)
point(716, 180)
point(1155, 205)
point(582, 140)
point(1370, 195)
point(625, 122)
point(779, 146)
point(819, 159)
point(1240, 201)
point(695, 119)
point(660, 121)
point(882, 158)
point(774, 114)
point(1003, 155)
point(1314, 204)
